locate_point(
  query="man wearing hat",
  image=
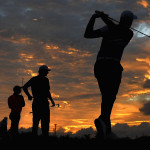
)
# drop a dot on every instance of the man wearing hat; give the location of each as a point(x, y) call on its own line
point(40, 93)
point(107, 69)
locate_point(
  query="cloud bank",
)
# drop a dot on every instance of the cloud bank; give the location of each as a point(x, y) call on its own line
point(121, 131)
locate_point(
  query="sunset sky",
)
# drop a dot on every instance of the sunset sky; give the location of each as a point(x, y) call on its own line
point(37, 32)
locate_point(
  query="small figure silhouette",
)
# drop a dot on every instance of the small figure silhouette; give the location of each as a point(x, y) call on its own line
point(40, 107)
point(15, 103)
point(3, 127)
point(107, 69)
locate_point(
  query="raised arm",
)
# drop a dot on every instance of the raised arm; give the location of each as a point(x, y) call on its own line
point(90, 32)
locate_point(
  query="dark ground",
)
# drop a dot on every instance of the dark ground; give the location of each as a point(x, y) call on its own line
point(26, 140)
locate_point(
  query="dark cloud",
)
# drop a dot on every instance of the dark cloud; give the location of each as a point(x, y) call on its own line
point(55, 18)
point(145, 109)
point(123, 130)
point(84, 132)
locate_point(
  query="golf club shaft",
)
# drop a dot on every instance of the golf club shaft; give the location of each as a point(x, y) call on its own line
point(130, 27)
point(119, 22)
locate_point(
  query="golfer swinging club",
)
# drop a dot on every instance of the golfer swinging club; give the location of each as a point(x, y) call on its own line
point(107, 68)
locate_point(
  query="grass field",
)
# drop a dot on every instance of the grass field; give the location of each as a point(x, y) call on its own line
point(26, 140)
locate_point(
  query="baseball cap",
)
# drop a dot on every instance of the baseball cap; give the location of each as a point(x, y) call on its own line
point(128, 14)
point(44, 67)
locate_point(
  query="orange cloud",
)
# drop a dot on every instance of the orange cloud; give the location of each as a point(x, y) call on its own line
point(16, 40)
point(123, 112)
point(146, 60)
point(48, 47)
point(144, 3)
point(138, 92)
point(26, 57)
point(75, 128)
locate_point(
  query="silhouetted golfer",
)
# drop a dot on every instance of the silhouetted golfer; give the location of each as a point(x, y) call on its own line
point(108, 69)
point(15, 103)
point(41, 93)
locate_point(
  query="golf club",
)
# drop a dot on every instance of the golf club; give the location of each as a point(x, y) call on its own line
point(99, 12)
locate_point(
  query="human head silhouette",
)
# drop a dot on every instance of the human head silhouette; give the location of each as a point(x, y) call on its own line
point(43, 70)
point(127, 18)
point(17, 89)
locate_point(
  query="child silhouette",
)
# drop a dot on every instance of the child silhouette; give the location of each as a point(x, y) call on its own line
point(15, 103)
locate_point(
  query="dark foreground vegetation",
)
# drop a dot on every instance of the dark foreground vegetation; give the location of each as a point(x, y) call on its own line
point(26, 140)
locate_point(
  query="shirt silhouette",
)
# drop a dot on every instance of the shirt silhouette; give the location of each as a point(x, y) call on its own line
point(107, 69)
point(39, 86)
point(115, 39)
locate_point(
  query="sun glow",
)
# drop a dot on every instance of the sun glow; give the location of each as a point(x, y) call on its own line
point(143, 27)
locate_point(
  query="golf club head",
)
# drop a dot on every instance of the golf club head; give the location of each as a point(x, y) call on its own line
point(57, 105)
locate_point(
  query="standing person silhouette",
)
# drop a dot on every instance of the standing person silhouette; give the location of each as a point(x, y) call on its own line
point(107, 69)
point(15, 103)
point(41, 93)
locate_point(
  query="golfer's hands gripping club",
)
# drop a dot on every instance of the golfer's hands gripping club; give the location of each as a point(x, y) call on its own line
point(99, 14)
